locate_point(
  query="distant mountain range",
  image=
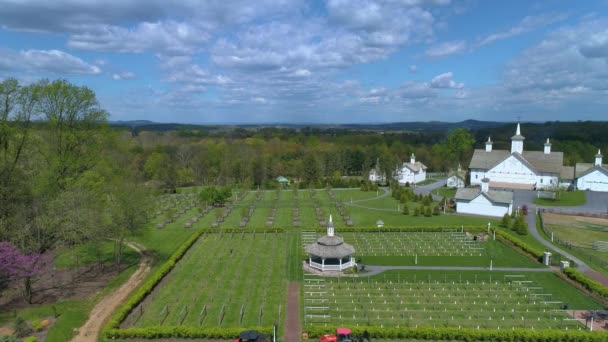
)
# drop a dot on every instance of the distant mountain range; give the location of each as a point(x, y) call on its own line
point(394, 126)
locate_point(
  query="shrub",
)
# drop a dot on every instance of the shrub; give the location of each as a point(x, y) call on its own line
point(21, 327)
point(31, 339)
point(36, 325)
point(4, 338)
point(586, 282)
point(505, 221)
point(427, 212)
point(406, 209)
point(436, 210)
point(416, 211)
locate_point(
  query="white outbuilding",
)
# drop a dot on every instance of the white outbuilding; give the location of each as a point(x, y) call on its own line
point(483, 201)
point(456, 179)
point(594, 176)
point(412, 172)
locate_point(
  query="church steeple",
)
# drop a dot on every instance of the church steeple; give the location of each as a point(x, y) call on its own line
point(517, 141)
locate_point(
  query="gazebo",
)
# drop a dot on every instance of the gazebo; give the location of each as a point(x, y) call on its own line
point(330, 253)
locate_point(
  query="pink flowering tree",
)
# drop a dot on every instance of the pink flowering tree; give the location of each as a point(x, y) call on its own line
point(20, 267)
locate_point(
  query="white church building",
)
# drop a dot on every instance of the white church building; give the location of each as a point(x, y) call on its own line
point(483, 201)
point(519, 169)
point(594, 176)
point(412, 172)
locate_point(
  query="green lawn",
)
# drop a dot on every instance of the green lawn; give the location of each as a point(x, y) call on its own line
point(93, 252)
point(437, 299)
point(445, 192)
point(550, 283)
point(564, 199)
point(582, 239)
point(224, 272)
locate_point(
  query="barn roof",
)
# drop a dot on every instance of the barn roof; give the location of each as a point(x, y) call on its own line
point(539, 160)
point(583, 169)
point(495, 196)
point(417, 166)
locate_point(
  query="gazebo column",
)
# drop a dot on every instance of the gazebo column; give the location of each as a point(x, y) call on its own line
point(309, 261)
point(340, 263)
point(323, 264)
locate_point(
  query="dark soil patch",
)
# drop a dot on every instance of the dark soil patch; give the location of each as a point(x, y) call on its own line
point(61, 284)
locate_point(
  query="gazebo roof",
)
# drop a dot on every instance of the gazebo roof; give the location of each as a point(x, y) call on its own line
point(379, 222)
point(330, 247)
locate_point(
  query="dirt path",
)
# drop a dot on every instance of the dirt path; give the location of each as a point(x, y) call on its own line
point(106, 306)
point(293, 331)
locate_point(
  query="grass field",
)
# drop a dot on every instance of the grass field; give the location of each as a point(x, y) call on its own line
point(225, 279)
point(427, 298)
point(582, 236)
point(431, 248)
point(445, 192)
point(565, 199)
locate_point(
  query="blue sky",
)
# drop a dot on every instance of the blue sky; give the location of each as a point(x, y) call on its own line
point(334, 61)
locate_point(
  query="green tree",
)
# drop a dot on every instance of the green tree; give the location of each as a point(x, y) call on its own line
point(460, 144)
point(406, 209)
point(311, 169)
point(505, 221)
point(427, 212)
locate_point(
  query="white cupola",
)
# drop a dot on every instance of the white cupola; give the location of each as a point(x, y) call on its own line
point(413, 159)
point(517, 141)
point(485, 185)
point(547, 147)
point(489, 145)
point(330, 227)
point(598, 158)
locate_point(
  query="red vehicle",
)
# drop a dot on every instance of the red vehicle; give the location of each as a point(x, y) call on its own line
point(251, 336)
point(342, 335)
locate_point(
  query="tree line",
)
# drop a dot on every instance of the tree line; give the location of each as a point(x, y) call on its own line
point(65, 177)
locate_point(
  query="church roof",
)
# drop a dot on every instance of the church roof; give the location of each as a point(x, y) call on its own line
point(583, 169)
point(540, 161)
point(495, 196)
point(417, 166)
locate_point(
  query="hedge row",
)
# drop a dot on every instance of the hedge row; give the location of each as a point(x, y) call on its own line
point(141, 293)
point(519, 243)
point(165, 332)
point(586, 282)
point(454, 334)
point(388, 229)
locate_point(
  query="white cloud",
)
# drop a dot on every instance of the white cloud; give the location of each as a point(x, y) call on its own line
point(413, 69)
point(446, 48)
point(527, 24)
point(259, 100)
point(45, 61)
point(169, 37)
point(445, 80)
point(127, 75)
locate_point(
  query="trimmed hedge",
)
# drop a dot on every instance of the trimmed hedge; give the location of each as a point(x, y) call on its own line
point(165, 332)
point(454, 334)
point(144, 290)
point(392, 229)
point(586, 282)
point(519, 243)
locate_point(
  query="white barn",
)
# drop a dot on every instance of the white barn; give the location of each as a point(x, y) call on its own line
point(376, 176)
point(456, 179)
point(412, 172)
point(520, 169)
point(592, 177)
point(483, 201)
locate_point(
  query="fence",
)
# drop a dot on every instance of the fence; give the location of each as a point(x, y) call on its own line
point(574, 213)
point(581, 249)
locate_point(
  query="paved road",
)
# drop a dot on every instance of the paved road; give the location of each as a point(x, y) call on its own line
point(426, 189)
point(373, 270)
point(531, 219)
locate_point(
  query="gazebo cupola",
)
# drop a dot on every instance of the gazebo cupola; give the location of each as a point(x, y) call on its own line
point(330, 253)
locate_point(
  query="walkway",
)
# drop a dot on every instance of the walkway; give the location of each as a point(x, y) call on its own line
point(373, 270)
point(580, 265)
point(293, 330)
point(426, 189)
point(105, 307)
